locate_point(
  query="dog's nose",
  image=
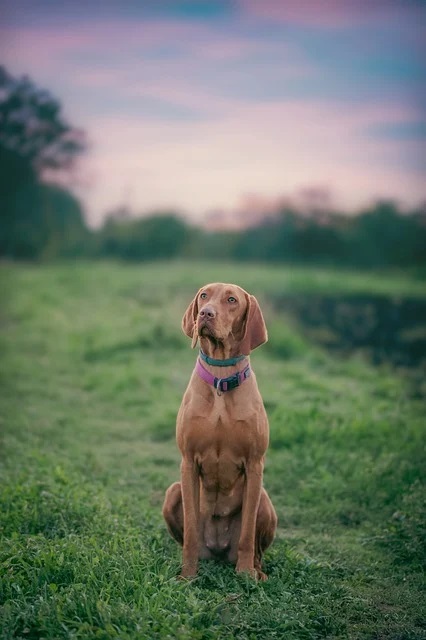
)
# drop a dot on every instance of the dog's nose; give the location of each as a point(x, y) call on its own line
point(208, 313)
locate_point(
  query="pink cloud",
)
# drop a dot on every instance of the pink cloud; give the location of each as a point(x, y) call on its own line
point(273, 149)
point(49, 57)
point(47, 45)
point(270, 147)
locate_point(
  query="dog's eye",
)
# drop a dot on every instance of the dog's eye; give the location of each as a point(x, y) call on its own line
point(232, 299)
point(203, 295)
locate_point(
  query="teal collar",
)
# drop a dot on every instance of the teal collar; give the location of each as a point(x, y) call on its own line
point(221, 363)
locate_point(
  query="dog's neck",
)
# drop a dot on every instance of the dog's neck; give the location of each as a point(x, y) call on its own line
point(218, 350)
point(228, 362)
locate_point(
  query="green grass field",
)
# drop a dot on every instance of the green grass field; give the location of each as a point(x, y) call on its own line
point(93, 366)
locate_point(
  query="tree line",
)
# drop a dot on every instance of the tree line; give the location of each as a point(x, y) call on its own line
point(40, 220)
point(381, 236)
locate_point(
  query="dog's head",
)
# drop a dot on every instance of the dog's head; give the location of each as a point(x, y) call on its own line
point(225, 314)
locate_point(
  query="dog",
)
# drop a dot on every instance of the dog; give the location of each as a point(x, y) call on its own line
point(219, 509)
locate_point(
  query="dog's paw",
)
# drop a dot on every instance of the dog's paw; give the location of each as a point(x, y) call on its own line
point(183, 578)
point(188, 572)
point(254, 573)
point(262, 577)
point(250, 571)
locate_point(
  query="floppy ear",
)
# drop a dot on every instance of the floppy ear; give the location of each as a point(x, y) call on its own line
point(255, 332)
point(189, 321)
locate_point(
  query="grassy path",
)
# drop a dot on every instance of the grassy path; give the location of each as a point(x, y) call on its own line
point(93, 367)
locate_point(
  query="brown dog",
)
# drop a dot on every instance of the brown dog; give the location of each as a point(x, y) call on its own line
point(220, 509)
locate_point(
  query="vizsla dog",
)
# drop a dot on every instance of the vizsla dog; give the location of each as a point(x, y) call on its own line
point(220, 508)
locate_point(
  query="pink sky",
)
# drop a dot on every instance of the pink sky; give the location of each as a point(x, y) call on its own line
point(198, 112)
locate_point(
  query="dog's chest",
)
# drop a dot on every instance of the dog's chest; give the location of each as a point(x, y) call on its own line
point(219, 471)
point(222, 427)
point(221, 435)
point(220, 450)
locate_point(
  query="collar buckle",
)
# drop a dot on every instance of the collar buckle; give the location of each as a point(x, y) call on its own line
point(227, 384)
point(223, 384)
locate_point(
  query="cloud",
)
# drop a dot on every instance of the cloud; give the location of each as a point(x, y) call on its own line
point(332, 14)
point(271, 149)
point(173, 69)
point(184, 114)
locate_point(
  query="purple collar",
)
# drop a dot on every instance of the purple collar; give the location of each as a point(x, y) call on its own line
point(222, 384)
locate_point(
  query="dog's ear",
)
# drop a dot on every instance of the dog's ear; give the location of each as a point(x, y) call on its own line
point(189, 321)
point(255, 332)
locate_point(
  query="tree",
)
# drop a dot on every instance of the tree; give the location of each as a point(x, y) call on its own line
point(34, 139)
point(32, 127)
point(158, 236)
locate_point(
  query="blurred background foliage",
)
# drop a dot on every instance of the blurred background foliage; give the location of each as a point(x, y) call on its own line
point(41, 220)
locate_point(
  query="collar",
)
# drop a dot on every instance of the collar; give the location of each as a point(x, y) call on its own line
point(220, 363)
point(222, 384)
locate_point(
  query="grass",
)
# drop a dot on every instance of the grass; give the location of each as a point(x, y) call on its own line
point(93, 368)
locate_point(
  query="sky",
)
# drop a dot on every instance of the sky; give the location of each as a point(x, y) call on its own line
point(213, 108)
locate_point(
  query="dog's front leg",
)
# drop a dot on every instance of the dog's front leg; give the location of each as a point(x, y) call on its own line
point(191, 516)
point(251, 499)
